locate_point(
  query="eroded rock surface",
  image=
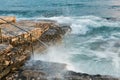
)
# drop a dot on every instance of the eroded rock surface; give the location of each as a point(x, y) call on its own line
point(22, 38)
point(11, 58)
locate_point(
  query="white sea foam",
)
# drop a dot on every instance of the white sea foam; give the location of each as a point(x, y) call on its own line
point(81, 24)
point(104, 58)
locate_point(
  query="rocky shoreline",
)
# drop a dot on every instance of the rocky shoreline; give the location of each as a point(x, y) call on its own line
point(41, 70)
point(19, 40)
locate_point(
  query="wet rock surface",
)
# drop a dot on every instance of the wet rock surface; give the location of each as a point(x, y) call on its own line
point(54, 34)
point(41, 70)
point(71, 75)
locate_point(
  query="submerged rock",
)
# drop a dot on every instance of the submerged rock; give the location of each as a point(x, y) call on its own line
point(71, 75)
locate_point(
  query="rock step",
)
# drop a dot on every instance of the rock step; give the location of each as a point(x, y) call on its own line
point(10, 33)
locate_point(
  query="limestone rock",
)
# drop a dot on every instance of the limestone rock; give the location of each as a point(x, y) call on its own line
point(11, 58)
point(16, 36)
point(13, 35)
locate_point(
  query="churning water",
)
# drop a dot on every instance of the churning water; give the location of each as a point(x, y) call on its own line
point(93, 46)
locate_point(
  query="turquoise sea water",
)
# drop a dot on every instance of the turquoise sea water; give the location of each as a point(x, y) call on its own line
point(48, 8)
point(93, 46)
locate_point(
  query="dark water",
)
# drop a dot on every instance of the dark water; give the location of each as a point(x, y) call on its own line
point(94, 43)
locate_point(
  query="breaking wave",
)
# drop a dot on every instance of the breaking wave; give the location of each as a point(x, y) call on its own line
point(92, 47)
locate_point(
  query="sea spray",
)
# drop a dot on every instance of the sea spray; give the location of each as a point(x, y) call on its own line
point(55, 54)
